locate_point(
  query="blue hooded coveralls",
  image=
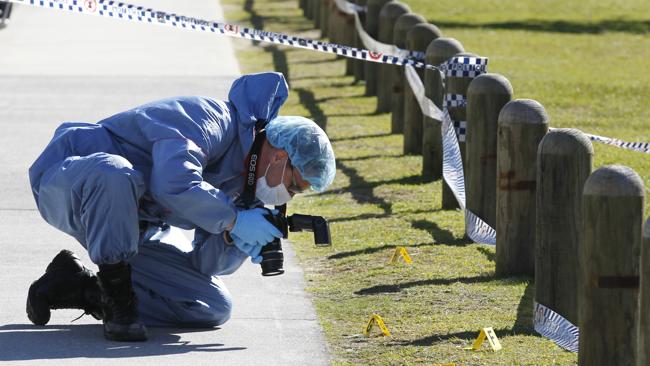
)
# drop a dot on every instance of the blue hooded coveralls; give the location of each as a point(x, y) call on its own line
point(115, 184)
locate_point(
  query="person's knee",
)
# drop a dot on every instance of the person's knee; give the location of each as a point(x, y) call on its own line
point(116, 174)
point(217, 310)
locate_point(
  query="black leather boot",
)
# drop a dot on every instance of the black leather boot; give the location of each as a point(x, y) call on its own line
point(119, 304)
point(66, 284)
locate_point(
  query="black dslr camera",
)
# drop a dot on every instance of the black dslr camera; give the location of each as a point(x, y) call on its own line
point(272, 256)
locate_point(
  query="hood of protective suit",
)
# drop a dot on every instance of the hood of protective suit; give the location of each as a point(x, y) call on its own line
point(257, 97)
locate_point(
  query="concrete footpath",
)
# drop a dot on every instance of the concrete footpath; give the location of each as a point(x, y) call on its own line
point(57, 67)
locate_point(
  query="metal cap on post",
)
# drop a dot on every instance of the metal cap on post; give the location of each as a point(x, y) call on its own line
point(522, 125)
point(402, 26)
point(564, 160)
point(372, 28)
point(438, 51)
point(644, 299)
point(358, 65)
point(612, 209)
point(387, 19)
point(417, 39)
point(486, 96)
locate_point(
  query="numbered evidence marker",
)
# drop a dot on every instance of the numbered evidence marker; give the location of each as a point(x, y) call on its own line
point(376, 319)
point(486, 333)
point(400, 252)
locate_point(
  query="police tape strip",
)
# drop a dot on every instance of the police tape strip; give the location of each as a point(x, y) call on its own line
point(452, 163)
point(643, 147)
point(376, 46)
point(554, 326)
point(134, 13)
point(455, 101)
point(349, 8)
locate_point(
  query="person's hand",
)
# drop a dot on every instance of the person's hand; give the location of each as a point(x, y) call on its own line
point(253, 250)
point(252, 228)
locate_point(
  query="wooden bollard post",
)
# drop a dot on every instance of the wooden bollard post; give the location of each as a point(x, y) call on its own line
point(402, 26)
point(372, 28)
point(486, 96)
point(335, 26)
point(564, 160)
point(302, 4)
point(324, 17)
point(417, 39)
point(358, 65)
point(387, 19)
point(456, 85)
point(349, 36)
point(612, 209)
point(644, 299)
point(522, 125)
point(309, 9)
point(315, 8)
point(439, 51)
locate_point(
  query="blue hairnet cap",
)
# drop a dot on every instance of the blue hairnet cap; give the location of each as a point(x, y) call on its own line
point(308, 146)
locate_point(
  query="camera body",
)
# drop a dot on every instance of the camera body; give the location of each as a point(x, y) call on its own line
point(272, 255)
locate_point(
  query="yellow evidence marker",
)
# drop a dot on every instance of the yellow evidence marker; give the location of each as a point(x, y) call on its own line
point(400, 252)
point(486, 333)
point(376, 319)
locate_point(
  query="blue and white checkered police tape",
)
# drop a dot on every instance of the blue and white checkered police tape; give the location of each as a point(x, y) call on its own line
point(554, 326)
point(134, 13)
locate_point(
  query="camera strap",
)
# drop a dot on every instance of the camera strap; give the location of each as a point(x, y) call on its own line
point(250, 183)
point(248, 196)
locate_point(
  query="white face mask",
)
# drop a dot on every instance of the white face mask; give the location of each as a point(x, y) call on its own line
point(275, 196)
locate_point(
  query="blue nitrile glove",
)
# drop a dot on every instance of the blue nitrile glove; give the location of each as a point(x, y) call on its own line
point(252, 228)
point(253, 250)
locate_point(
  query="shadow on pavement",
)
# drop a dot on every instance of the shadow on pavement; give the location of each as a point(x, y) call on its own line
point(20, 342)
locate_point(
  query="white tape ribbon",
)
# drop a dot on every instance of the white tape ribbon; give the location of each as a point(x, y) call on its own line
point(129, 12)
point(348, 7)
point(452, 163)
point(555, 327)
point(373, 45)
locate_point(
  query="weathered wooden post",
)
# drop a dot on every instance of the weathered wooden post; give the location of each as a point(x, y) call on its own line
point(564, 160)
point(302, 4)
point(522, 125)
point(486, 96)
point(309, 9)
point(402, 26)
point(612, 210)
point(417, 39)
point(324, 17)
point(336, 23)
point(315, 8)
point(359, 66)
point(439, 51)
point(644, 299)
point(372, 28)
point(349, 36)
point(456, 85)
point(387, 19)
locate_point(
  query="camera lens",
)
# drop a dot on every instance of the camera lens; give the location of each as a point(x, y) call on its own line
point(272, 259)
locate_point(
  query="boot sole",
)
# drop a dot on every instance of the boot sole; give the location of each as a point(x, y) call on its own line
point(38, 309)
point(124, 333)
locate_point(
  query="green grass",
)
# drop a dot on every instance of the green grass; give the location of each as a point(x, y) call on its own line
point(436, 306)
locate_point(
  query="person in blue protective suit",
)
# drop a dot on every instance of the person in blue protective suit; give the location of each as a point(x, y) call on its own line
point(117, 184)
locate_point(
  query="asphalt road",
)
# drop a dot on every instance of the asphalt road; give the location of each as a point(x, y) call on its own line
point(57, 67)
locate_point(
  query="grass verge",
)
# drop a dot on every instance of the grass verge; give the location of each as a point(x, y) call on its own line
point(436, 306)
